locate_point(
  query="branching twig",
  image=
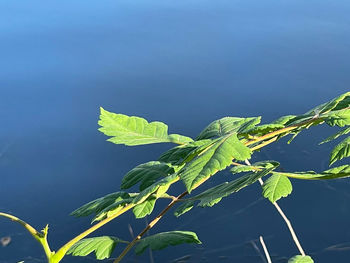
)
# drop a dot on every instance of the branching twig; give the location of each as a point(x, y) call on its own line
point(289, 224)
point(148, 227)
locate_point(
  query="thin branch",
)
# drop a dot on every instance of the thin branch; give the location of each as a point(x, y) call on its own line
point(149, 249)
point(291, 230)
point(265, 249)
point(155, 221)
point(63, 250)
point(289, 224)
point(41, 237)
point(148, 227)
point(35, 233)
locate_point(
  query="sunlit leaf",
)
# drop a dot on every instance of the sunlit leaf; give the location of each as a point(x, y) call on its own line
point(338, 118)
point(165, 182)
point(102, 246)
point(145, 208)
point(147, 174)
point(300, 259)
point(113, 208)
point(241, 169)
point(165, 239)
point(226, 126)
point(133, 130)
point(276, 187)
point(214, 158)
point(336, 135)
point(340, 151)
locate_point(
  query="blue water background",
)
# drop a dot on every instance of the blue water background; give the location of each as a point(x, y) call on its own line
point(185, 63)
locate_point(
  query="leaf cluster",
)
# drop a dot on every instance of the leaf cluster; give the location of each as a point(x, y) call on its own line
point(227, 142)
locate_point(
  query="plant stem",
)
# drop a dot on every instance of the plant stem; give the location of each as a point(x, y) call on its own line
point(155, 221)
point(148, 227)
point(57, 257)
point(265, 249)
point(40, 237)
point(289, 224)
point(63, 250)
point(272, 136)
point(30, 229)
point(280, 131)
point(291, 230)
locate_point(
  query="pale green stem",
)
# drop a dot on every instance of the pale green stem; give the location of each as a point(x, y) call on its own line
point(40, 237)
point(63, 250)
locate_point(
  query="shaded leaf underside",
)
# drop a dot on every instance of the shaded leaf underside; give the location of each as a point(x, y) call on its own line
point(165, 239)
point(147, 174)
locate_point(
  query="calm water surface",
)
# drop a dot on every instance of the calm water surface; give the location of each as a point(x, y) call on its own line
point(185, 63)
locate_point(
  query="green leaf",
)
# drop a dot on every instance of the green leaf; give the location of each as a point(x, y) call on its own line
point(147, 174)
point(241, 168)
point(338, 118)
point(300, 259)
point(214, 158)
point(334, 173)
point(96, 206)
point(177, 155)
point(255, 166)
point(133, 130)
point(284, 120)
point(165, 239)
point(145, 208)
point(248, 125)
point(144, 194)
point(336, 135)
point(326, 109)
point(102, 246)
point(295, 134)
point(215, 194)
point(340, 151)
point(184, 208)
point(339, 103)
point(264, 129)
point(113, 208)
point(226, 126)
point(266, 164)
point(276, 187)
